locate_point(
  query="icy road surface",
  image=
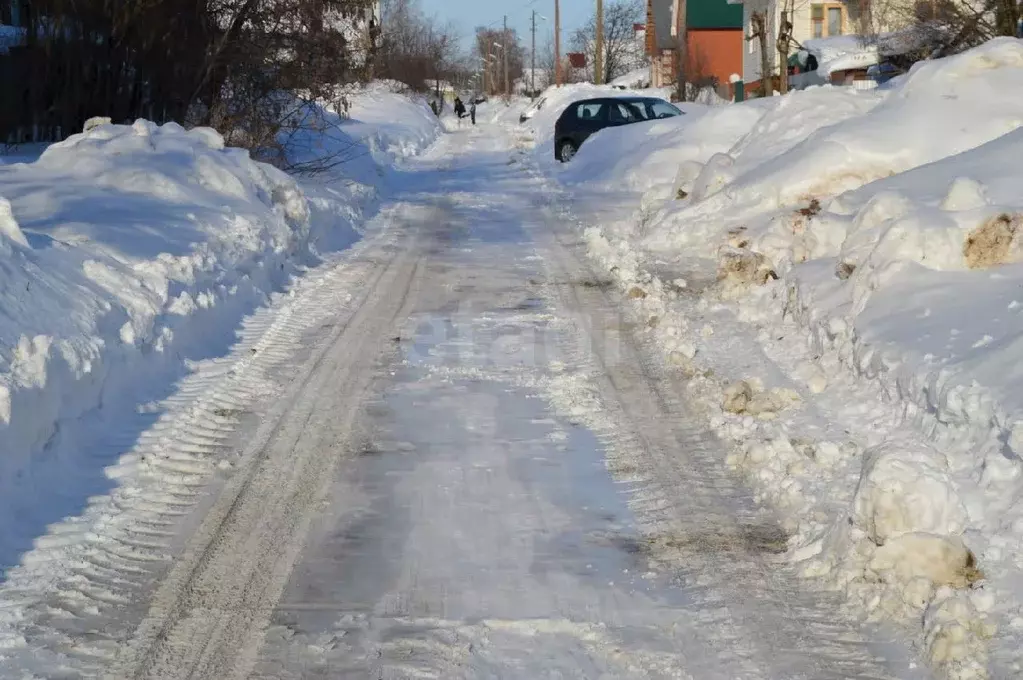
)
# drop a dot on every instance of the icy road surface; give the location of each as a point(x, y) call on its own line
point(445, 456)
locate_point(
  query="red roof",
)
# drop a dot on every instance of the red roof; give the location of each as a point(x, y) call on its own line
point(637, 28)
point(577, 59)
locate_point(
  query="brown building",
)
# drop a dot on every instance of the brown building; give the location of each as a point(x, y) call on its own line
point(714, 41)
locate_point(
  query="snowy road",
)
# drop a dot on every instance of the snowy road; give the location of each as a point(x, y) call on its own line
point(473, 471)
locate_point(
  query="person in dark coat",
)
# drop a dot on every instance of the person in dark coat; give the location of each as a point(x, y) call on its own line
point(459, 108)
point(472, 110)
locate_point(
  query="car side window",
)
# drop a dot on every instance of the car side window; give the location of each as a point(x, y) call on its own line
point(590, 112)
point(623, 113)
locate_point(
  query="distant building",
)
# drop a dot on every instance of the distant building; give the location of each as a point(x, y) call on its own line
point(714, 41)
point(576, 68)
point(811, 22)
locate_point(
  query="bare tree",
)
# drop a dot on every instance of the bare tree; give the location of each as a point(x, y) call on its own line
point(933, 28)
point(546, 63)
point(415, 49)
point(622, 53)
point(490, 41)
point(759, 33)
point(241, 66)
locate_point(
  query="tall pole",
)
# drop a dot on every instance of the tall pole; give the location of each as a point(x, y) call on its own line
point(557, 42)
point(532, 68)
point(682, 75)
point(598, 58)
point(507, 85)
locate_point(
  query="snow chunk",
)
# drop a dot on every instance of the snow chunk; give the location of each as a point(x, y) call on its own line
point(749, 397)
point(941, 560)
point(903, 490)
point(95, 122)
point(9, 227)
point(964, 194)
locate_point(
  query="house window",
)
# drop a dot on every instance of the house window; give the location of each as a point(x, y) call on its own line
point(827, 20)
point(834, 21)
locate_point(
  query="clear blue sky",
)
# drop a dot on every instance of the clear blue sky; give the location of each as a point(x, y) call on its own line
point(468, 14)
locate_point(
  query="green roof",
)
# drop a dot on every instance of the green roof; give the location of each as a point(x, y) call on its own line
point(713, 14)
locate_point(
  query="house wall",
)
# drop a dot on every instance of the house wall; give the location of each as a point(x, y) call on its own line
point(751, 49)
point(715, 53)
point(713, 14)
point(662, 69)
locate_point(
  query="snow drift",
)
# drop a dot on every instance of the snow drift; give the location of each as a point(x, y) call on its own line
point(129, 251)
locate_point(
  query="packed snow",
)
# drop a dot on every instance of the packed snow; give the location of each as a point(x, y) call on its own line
point(129, 252)
point(839, 272)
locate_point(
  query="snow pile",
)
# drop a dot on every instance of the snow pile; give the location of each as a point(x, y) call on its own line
point(824, 142)
point(656, 156)
point(129, 251)
point(346, 156)
point(634, 79)
point(10, 36)
point(114, 242)
point(375, 126)
point(389, 124)
point(862, 250)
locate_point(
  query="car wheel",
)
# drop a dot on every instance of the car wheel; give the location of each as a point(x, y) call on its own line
point(567, 150)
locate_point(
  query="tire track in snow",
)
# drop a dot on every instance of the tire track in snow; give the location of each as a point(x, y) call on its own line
point(208, 616)
point(700, 520)
point(75, 599)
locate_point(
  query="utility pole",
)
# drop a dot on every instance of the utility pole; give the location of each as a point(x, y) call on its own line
point(682, 77)
point(598, 57)
point(532, 69)
point(557, 42)
point(507, 43)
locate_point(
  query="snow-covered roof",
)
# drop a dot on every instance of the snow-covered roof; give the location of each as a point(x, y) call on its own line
point(842, 52)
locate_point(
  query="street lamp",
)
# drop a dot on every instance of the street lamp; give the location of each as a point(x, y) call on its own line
point(532, 69)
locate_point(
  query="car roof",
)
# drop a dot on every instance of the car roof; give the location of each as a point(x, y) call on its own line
point(632, 99)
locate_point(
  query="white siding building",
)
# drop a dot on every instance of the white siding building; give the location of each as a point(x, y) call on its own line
point(811, 19)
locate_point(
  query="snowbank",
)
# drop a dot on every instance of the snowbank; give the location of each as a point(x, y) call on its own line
point(657, 155)
point(10, 36)
point(633, 79)
point(378, 126)
point(127, 252)
point(860, 249)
